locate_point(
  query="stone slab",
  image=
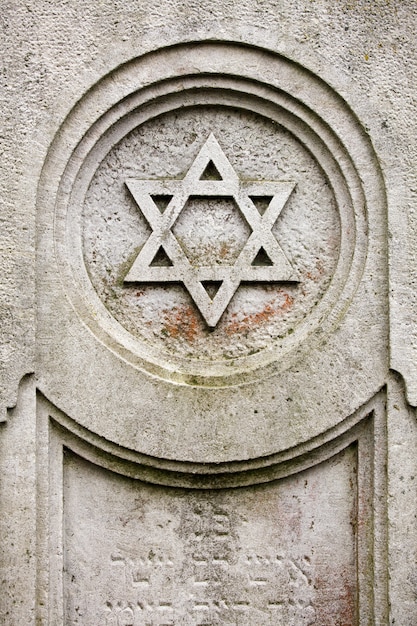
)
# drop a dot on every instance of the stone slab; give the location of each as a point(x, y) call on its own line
point(213, 421)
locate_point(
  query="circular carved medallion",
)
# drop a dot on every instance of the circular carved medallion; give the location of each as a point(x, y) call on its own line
point(211, 223)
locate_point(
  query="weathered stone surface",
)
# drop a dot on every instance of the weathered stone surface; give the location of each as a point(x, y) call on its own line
point(263, 555)
point(305, 548)
point(295, 329)
point(222, 199)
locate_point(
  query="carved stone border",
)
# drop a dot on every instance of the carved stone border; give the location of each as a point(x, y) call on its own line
point(366, 430)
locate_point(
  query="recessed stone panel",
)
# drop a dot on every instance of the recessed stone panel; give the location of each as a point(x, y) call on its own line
point(283, 553)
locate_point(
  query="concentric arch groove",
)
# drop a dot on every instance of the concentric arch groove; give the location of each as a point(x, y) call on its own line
point(232, 474)
point(296, 126)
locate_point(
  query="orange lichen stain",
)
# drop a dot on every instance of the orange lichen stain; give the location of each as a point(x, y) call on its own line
point(180, 322)
point(223, 251)
point(269, 311)
point(347, 595)
point(288, 302)
point(336, 597)
point(317, 273)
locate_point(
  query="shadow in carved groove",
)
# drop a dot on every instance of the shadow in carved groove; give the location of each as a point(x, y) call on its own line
point(299, 540)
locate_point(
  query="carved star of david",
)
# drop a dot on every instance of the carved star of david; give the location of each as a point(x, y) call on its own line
point(261, 243)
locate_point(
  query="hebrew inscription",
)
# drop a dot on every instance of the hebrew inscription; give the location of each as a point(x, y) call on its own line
point(279, 554)
point(261, 258)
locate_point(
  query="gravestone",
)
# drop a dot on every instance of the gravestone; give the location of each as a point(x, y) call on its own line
point(209, 365)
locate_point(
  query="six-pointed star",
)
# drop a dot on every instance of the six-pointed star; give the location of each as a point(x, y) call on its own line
point(261, 241)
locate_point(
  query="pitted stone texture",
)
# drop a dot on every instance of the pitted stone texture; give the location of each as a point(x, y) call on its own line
point(201, 229)
point(270, 555)
point(211, 177)
point(289, 384)
point(366, 51)
point(164, 316)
